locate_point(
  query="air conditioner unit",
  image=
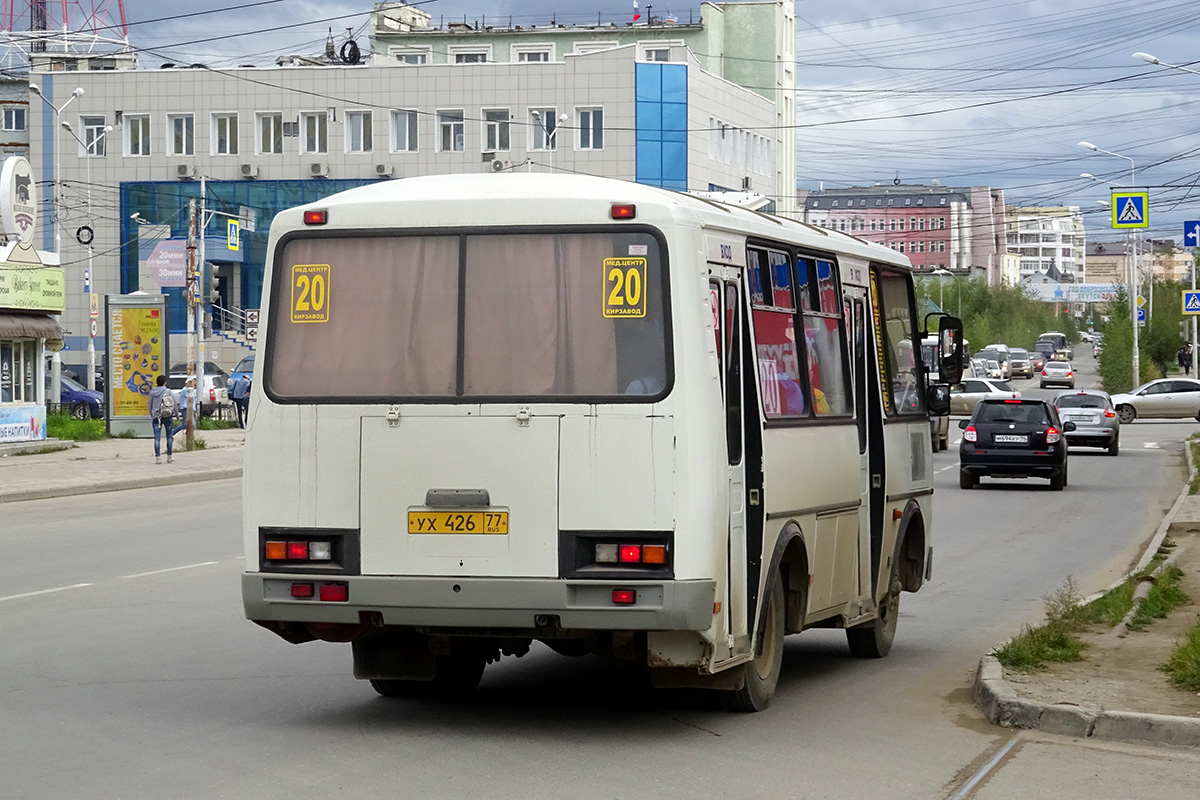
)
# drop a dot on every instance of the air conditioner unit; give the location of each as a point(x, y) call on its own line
point(249, 170)
point(318, 169)
point(185, 171)
point(384, 170)
point(497, 165)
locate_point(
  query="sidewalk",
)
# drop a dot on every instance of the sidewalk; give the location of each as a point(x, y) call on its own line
point(114, 464)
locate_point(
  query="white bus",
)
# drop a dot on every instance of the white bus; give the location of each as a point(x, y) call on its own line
point(498, 409)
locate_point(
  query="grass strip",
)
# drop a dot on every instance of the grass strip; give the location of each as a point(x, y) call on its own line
point(1183, 668)
point(62, 426)
point(1030, 649)
point(1164, 596)
point(1194, 484)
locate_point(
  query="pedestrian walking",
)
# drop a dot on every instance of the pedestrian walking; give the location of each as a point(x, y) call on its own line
point(1187, 360)
point(240, 392)
point(162, 408)
point(187, 395)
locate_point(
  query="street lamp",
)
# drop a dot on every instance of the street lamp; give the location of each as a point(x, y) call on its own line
point(1152, 60)
point(941, 285)
point(56, 361)
point(91, 149)
point(551, 134)
point(1133, 276)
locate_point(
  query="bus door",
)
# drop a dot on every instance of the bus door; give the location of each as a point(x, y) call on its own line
point(877, 396)
point(728, 322)
point(870, 429)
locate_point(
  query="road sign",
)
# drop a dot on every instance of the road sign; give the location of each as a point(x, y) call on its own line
point(94, 305)
point(93, 327)
point(1141, 316)
point(1131, 209)
point(252, 332)
point(1141, 301)
point(1191, 233)
point(233, 236)
point(1191, 302)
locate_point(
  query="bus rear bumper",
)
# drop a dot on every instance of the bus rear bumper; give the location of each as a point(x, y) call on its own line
point(514, 603)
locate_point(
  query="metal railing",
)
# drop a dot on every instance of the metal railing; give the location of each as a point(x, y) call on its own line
point(228, 320)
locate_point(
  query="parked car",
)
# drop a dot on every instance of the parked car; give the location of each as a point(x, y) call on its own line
point(966, 395)
point(1013, 439)
point(214, 393)
point(1019, 363)
point(245, 367)
point(1057, 373)
point(1096, 422)
point(1165, 398)
point(77, 399)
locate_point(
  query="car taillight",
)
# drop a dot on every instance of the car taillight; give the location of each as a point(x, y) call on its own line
point(970, 434)
point(1043, 373)
point(1052, 435)
point(1069, 373)
point(212, 395)
point(654, 554)
point(1109, 413)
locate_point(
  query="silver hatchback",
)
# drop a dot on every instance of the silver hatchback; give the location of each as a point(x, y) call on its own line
point(1058, 373)
point(1096, 422)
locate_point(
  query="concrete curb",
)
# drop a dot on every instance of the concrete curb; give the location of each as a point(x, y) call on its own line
point(171, 479)
point(1001, 704)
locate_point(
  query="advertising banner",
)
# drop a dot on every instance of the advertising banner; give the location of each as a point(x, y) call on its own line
point(22, 423)
point(137, 355)
point(1073, 292)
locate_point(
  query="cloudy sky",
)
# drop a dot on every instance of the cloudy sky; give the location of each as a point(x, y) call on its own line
point(973, 92)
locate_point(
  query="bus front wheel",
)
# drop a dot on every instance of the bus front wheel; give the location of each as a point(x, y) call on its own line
point(761, 676)
point(874, 639)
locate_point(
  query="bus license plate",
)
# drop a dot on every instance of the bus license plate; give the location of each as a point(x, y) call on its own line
point(1010, 438)
point(471, 522)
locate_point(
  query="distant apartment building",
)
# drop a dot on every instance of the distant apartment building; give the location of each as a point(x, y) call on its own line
point(938, 227)
point(1108, 262)
point(14, 129)
point(630, 102)
point(1049, 240)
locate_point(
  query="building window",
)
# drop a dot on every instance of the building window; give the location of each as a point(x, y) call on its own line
point(542, 123)
point(182, 129)
point(872, 224)
point(835, 203)
point(468, 54)
point(921, 221)
point(18, 371)
point(902, 224)
point(14, 119)
point(450, 131)
point(942, 223)
point(879, 202)
point(412, 56)
point(225, 134)
point(316, 132)
point(901, 248)
point(591, 129)
point(594, 47)
point(941, 247)
point(533, 53)
point(495, 129)
point(270, 134)
point(137, 134)
point(358, 132)
point(891, 224)
point(404, 131)
point(95, 140)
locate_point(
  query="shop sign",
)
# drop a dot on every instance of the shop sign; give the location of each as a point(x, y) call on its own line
point(22, 423)
point(32, 288)
point(18, 200)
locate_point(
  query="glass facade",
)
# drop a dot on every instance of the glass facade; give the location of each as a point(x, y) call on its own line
point(165, 203)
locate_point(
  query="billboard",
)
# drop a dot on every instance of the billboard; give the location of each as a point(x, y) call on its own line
point(137, 355)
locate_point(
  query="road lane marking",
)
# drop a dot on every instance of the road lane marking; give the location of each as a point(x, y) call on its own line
point(1151, 446)
point(943, 469)
point(45, 591)
point(169, 569)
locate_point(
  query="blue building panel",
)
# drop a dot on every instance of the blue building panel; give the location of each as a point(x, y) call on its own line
point(662, 124)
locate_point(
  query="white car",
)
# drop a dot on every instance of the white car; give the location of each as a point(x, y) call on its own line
point(966, 395)
point(1166, 398)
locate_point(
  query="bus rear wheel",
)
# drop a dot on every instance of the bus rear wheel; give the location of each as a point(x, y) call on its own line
point(457, 676)
point(874, 639)
point(761, 676)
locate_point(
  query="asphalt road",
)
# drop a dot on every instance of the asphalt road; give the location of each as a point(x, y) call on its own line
point(128, 671)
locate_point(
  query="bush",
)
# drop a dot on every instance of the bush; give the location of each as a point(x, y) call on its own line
point(60, 425)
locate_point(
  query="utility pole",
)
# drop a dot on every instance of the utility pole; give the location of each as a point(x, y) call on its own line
point(198, 372)
point(190, 422)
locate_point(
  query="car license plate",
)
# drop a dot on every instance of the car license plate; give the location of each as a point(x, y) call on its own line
point(469, 522)
point(1010, 438)
point(1079, 418)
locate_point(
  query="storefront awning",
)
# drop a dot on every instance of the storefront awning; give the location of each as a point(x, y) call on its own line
point(32, 326)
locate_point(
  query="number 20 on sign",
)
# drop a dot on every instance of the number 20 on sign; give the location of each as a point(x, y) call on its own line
point(310, 293)
point(624, 287)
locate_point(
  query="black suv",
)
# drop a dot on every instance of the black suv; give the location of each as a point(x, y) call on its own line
point(1013, 439)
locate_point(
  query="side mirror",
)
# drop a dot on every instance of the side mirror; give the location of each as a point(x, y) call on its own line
point(938, 400)
point(1069, 426)
point(963, 423)
point(950, 349)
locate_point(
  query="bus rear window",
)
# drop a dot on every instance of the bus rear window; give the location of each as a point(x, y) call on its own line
point(529, 315)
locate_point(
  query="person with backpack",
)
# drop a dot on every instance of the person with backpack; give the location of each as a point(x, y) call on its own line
point(163, 406)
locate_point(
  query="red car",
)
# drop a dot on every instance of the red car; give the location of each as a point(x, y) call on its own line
point(1038, 361)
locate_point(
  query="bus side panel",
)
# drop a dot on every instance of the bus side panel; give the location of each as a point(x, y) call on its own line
point(905, 478)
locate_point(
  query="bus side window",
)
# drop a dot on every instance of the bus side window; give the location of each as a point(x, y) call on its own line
point(733, 374)
point(714, 303)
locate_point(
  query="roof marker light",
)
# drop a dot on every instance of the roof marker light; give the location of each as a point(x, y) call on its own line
point(623, 211)
point(319, 217)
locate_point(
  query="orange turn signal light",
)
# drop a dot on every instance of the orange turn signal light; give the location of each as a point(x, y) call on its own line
point(654, 554)
point(275, 551)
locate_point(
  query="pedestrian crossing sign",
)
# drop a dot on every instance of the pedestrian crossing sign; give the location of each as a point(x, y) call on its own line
point(1191, 302)
point(1131, 209)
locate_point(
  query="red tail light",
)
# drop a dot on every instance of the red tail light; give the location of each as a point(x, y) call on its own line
point(1043, 373)
point(1069, 373)
point(212, 395)
point(1053, 435)
point(970, 434)
point(1109, 413)
point(624, 597)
